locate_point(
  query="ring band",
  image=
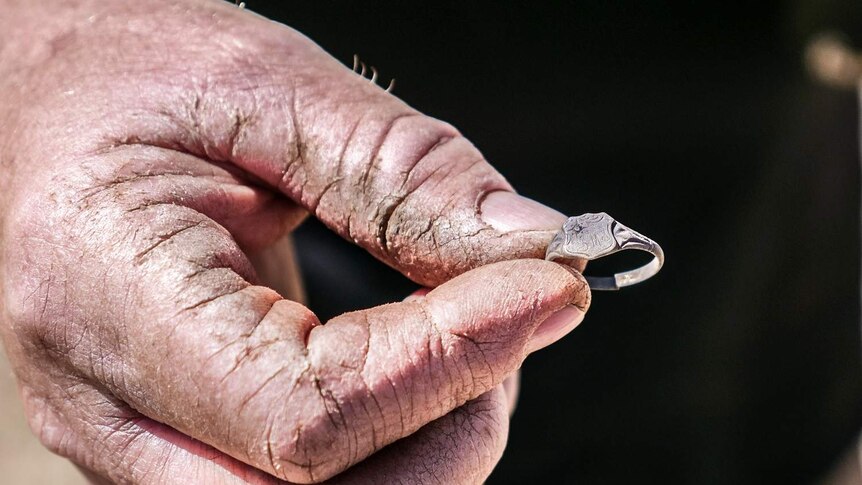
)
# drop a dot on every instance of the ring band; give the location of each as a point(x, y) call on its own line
point(593, 236)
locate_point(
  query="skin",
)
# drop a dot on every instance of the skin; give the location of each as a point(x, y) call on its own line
point(154, 156)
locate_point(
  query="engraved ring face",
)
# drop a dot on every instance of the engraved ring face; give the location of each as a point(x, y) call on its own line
point(592, 236)
point(589, 236)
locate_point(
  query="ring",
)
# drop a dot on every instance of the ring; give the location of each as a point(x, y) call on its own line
point(593, 236)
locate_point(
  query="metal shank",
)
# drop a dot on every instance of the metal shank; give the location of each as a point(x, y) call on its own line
point(593, 236)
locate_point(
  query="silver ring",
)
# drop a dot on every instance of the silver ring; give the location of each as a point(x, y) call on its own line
point(593, 236)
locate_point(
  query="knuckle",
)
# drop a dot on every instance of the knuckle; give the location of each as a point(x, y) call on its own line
point(400, 161)
point(316, 443)
point(432, 217)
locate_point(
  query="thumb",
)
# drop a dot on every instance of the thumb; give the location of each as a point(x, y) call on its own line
point(408, 188)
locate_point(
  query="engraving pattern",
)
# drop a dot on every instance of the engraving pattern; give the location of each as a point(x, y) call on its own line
point(589, 235)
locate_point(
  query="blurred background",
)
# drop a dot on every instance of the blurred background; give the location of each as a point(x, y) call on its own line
point(695, 123)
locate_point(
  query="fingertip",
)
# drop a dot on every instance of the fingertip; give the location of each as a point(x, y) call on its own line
point(528, 302)
point(418, 294)
point(582, 294)
point(571, 286)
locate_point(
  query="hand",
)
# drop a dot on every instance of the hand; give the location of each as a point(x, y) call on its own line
point(149, 151)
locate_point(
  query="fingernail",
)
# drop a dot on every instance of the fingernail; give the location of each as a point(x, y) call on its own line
point(420, 293)
point(511, 385)
point(555, 327)
point(508, 211)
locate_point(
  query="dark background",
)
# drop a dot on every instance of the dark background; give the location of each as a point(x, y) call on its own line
point(695, 123)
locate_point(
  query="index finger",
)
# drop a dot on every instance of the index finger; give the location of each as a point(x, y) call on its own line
point(408, 188)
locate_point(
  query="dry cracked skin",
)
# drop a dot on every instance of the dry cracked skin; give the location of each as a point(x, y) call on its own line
point(149, 152)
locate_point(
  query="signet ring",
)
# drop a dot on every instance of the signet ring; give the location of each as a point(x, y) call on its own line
point(593, 236)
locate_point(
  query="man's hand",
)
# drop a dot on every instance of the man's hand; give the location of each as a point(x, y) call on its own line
point(148, 151)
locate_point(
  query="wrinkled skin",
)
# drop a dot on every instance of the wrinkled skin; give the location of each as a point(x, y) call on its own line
point(154, 156)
